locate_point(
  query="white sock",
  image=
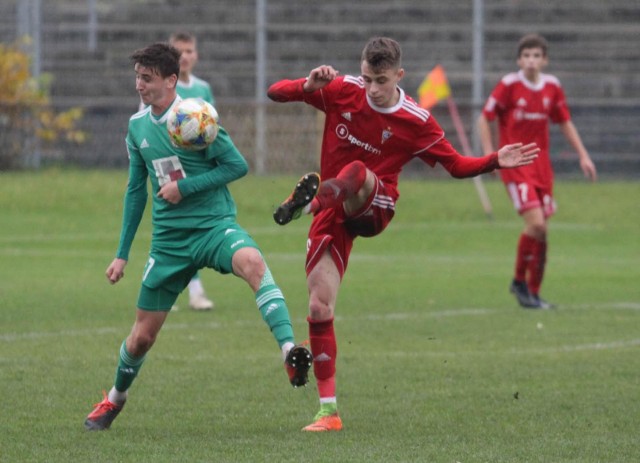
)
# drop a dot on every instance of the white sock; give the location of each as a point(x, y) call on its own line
point(117, 397)
point(306, 209)
point(286, 347)
point(195, 287)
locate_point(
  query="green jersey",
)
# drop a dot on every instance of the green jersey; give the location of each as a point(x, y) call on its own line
point(202, 178)
point(196, 88)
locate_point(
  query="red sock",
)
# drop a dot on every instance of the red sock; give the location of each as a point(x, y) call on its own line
point(325, 351)
point(536, 266)
point(332, 192)
point(524, 256)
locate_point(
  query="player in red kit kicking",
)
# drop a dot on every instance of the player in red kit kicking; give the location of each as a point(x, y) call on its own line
point(523, 103)
point(372, 129)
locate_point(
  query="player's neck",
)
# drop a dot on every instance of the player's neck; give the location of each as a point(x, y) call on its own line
point(533, 76)
point(184, 77)
point(160, 106)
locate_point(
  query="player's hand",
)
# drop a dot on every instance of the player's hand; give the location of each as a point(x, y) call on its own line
point(319, 77)
point(170, 192)
point(517, 155)
point(589, 169)
point(115, 271)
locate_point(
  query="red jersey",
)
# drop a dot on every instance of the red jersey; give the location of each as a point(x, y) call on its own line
point(384, 139)
point(524, 110)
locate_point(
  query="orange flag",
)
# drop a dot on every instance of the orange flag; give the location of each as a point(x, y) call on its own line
point(433, 88)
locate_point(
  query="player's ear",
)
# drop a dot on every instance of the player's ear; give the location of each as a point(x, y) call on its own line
point(400, 74)
point(172, 80)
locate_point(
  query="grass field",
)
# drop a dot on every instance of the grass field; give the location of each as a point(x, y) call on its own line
point(437, 363)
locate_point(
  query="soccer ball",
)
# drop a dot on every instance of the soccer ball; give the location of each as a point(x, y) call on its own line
point(192, 124)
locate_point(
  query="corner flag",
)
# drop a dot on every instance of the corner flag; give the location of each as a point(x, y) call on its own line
point(433, 88)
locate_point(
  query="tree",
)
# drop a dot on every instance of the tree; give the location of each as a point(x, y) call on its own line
point(26, 113)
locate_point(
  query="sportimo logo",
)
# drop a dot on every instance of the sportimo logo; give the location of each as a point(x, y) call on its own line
point(519, 115)
point(343, 133)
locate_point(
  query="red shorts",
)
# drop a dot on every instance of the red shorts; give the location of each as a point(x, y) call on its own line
point(332, 230)
point(526, 196)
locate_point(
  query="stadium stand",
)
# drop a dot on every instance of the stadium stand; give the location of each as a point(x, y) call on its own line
point(593, 51)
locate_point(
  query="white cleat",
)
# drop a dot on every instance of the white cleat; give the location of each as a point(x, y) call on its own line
point(200, 302)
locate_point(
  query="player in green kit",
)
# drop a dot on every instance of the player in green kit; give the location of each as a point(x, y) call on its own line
point(190, 86)
point(194, 226)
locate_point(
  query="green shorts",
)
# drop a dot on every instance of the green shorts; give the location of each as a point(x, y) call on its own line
point(176, 256)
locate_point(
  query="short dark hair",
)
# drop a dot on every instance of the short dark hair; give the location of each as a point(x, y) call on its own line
point(533, 41)
point(382, 53)
point(162, 57)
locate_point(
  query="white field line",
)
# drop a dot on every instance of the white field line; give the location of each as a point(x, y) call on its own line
point(299, 229)
point(355, 257)
point(469, 312)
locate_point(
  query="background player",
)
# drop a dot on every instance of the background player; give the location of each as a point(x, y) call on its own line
point(524, 102)
point(194, 226)
point(372, 129)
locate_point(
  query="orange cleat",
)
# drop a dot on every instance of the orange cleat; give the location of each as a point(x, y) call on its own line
point(325, 423)
point(103, 415)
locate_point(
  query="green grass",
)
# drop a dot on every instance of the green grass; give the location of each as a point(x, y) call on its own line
point(437, 364)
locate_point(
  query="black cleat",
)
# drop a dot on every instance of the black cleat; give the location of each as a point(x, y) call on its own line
point(520, 290)
point(102, 415)
point(302, 194)
point(541, 303)
point(297, 364)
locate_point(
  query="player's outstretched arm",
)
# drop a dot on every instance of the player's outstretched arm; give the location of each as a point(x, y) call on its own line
point(319, 77)
point(517, 155)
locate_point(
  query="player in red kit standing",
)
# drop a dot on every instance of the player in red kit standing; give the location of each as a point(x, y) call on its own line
point(523, 103)
point(372, 129)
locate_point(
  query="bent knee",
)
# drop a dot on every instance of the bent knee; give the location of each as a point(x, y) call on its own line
point(140, 343)
point(537, 230)
point(320, 310)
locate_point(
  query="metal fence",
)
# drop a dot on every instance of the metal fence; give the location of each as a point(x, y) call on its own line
point(84, 44)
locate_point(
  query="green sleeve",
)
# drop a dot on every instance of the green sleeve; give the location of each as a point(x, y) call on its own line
point(135, 200)
point(229, 165)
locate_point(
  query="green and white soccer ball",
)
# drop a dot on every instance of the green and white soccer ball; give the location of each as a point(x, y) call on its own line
point(192, 124)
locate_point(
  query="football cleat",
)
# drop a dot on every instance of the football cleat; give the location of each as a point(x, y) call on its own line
point(200, 302)
point(325, 423)
point(304, 192)
point(541, 303)
point(520, 290)
point(102, 415)
point(297, 364)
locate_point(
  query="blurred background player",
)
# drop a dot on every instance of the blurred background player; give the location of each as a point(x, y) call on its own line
point(190, 86)
point(372, 130)
point(523, 103)
point(194, 226)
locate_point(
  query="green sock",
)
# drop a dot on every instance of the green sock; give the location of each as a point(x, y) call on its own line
point(326, 409)
point(273, 309)
point(275, 313)
point(128, 367)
